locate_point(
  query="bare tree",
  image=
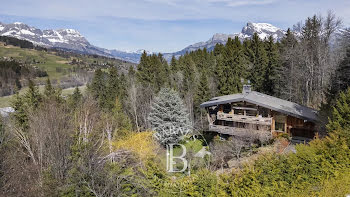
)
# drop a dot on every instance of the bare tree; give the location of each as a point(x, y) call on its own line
point(308, 62)
point(133, 101)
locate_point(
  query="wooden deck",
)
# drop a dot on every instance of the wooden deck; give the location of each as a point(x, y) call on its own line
point(244, 119)
point(234, 130)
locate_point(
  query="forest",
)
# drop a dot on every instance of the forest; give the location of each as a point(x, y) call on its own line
point(111, 139)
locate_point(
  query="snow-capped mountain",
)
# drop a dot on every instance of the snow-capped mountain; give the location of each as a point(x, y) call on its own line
point(72, 40)
point(264, 30)
point(66, 39)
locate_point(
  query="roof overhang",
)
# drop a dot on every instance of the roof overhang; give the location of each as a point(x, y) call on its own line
point(242, 98)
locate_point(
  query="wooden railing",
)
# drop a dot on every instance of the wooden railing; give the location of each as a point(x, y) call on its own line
point(244, 119)
point(235, 130)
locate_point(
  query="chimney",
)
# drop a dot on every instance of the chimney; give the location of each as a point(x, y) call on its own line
point(246, 89)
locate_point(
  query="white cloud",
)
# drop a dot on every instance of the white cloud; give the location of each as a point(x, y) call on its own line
point(249, 2)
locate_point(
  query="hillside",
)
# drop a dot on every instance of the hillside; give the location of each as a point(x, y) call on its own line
point(65, 69)
point(64, 39)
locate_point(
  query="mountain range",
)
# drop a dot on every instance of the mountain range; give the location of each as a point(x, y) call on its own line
point(72, 40)
point(264, 30)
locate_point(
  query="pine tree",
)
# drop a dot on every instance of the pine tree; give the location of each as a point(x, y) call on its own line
point(20, 115)
point(2, 133)
point(123, 123)
point(203, 92)
point(221, 76)
point(188, 68)
point(162, 72)
point(339, 122)
point(32, 98)
point(340, 80)
point(235, 66)
point(340, 119)
point(98, 88)
point(259, 62)
point(173, 65)
point(153, 71)
point(49, 90)
point(112, 87)
point(168, 117)
point(144, 70)
point(123, 86)
point(75, 98)
point(270, 80)
point(231, 67)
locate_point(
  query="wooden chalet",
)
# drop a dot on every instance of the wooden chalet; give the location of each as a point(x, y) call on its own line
point(237, 114)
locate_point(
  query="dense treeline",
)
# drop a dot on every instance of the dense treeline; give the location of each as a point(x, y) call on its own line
point(16, 42)
point(98, 143)
point(53, 146)
point(11, 74)
point(299, 68)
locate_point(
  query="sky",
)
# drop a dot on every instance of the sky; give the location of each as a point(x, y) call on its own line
point(162, 25)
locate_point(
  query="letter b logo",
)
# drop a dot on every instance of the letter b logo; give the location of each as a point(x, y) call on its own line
point(171, 157)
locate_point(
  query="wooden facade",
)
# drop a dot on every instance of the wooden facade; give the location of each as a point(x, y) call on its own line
point(235, 118)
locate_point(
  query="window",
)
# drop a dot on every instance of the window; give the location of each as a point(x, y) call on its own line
point(280, 121)
point(279, 126)
point(227, 108)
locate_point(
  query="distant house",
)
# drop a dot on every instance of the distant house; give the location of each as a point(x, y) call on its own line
point(254, 111)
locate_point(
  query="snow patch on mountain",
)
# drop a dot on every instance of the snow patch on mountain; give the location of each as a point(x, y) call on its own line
point(72, 40)
point(66, 39)
point(24, 31)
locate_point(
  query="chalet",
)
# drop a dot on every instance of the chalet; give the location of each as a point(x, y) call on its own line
point(237, 114)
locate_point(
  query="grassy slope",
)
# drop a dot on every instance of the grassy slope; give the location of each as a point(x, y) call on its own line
point(5, 101)
point(48, 62)
point(55, 66)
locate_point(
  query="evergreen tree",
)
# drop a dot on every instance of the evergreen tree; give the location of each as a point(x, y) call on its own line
point(235, 66)
point(52, 93)
point(168, 117)
point(2, 134)
point(340, 119)
point(203, 92)
point(188, 68)
point(112, 87)
point(173, 65)
point(341, 78)
point(286, 72)
point(144, 70)
point(218, 49)
point(231, 67)
point(162, 72)
point(20, 114)
point(75, 98)
point(259, 60)
point(32, 96)
point(98, 88)
point(153, 71)
point(123, 86)
point(221, 76)
point(123, 123)
point(49, 90)
point(270, 80)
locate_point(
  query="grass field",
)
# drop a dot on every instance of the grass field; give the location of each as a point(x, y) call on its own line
point(55, 66)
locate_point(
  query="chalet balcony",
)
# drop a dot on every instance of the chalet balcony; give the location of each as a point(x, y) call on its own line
point(256, 120)
point(235, 131)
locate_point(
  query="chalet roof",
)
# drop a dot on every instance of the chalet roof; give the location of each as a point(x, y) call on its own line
point(270, 102)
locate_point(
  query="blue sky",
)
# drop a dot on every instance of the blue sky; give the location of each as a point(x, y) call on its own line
point(162, 25)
